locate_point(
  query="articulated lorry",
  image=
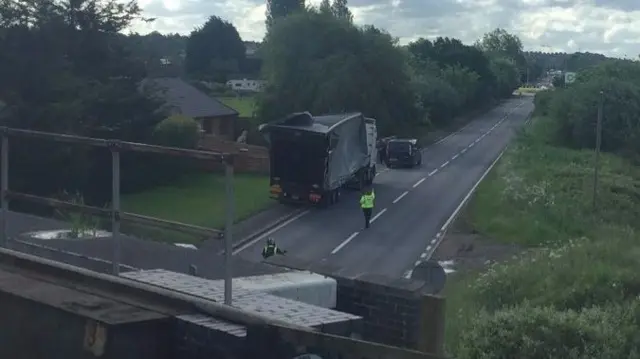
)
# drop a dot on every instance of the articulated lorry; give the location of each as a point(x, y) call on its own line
point(313, 158)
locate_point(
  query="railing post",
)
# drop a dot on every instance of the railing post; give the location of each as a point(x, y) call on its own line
point(4, 178)
point(228, 231)
point(115, 205)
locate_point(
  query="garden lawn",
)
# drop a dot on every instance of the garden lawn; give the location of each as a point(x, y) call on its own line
point(245, 105)
point(200, 199)
point(539, 196)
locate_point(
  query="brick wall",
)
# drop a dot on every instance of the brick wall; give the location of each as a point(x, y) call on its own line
point(249, 158)
point(269, 342)
point(396, 311)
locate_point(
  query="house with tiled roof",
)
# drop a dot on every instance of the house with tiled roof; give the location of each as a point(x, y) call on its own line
point(215, 118)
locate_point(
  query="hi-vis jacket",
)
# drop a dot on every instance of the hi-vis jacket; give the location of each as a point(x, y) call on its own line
point(367, 199)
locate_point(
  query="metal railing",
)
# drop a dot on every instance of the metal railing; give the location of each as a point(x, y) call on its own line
point(115, 213)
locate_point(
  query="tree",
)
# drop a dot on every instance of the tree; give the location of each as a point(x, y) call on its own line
point(280, 8)
point(446, 52)
point(558, 81)
point(506, 74)
point(321, 64)
point(64, 70)
point(214, 50)
point(463, 80)
point(325, 7)
point(340, 10)
point(500, 43)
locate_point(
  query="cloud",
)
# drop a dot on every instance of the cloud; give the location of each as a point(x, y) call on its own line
point(608, 26)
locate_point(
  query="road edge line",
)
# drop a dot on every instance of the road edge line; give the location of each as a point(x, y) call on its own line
point(256, 234)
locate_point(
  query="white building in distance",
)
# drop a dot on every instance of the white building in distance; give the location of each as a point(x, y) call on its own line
point(246, 85)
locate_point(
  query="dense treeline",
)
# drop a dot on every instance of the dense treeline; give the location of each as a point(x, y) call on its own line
point(318, 60)
point(66, 69)
point(539, 62)
point(574, 109)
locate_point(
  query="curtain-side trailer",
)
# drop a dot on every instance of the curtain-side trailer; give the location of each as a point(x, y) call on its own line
point(313, 158)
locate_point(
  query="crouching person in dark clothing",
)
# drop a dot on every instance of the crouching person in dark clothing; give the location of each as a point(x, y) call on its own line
point(271, 249)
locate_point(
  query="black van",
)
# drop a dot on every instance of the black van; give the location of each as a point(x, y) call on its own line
point(404, 153)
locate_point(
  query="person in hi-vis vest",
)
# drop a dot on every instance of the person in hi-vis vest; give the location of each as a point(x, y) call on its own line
point(366, 203)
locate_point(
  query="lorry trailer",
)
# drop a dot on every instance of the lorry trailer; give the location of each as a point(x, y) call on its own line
point(313, 158)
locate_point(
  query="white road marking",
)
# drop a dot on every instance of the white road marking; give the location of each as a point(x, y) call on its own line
point(345, 242)
point(400, 197)
point(455, 156)
point(444, 164)
point(378, 215)
point(471, 144)
point(270, 232)
point(463, 150)
point(418, 183)
point(432, 173)
point(435, 241)
point(469, 194)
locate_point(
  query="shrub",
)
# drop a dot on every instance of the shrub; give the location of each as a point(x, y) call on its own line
point(177, 131)
point(542, 101)
point(526, 332)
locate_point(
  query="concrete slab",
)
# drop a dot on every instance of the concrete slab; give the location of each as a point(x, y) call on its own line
point(263, 303)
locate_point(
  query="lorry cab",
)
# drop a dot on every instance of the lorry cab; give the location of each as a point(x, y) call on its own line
point(405, 152)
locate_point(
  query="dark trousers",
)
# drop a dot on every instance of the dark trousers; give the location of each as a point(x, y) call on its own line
point(367, 216)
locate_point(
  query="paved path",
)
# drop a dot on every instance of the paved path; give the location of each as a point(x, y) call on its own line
point(411, 204)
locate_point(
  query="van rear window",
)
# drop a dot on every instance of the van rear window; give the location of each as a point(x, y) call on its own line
point(399, 146)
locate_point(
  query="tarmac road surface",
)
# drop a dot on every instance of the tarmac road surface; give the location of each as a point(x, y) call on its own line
point(411, 204)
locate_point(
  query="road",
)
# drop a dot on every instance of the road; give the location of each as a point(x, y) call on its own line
point(411, 204)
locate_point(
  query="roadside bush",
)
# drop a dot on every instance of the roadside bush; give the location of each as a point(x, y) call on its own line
point(580, 273)
point(577, 110)
point(542, 100)
point(538, 333)
point(177, 131)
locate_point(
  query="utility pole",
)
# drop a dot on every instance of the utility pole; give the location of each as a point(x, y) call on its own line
point(596, 165)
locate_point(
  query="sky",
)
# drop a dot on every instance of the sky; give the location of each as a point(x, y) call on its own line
point(610, 27)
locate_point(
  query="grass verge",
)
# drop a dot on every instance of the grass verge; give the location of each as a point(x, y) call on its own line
point(198, 200)
point(576, 283)
point(245, 105)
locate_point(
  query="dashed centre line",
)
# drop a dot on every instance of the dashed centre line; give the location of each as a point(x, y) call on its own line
point(434, 240)
point(345, 242)
point(400, 197)
point(378, 215)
